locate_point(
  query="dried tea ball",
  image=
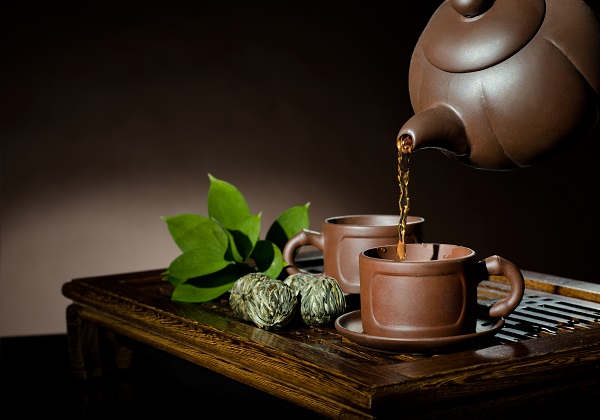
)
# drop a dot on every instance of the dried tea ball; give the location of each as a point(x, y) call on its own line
point(299, 281)
point(241, 290)
point(322, 301)
point(271, 304)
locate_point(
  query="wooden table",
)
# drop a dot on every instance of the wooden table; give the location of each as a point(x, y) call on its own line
point(539, 355)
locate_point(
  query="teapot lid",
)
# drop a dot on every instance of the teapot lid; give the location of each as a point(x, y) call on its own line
point(470, 35)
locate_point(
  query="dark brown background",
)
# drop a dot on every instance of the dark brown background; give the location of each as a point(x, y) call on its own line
point(113, 114)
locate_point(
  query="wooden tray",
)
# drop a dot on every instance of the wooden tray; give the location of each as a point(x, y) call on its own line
point(319, 369)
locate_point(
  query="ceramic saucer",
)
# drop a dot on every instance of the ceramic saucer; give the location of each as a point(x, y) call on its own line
point(350, 326)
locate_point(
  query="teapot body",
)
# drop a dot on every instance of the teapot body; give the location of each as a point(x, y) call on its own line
point(503, 103)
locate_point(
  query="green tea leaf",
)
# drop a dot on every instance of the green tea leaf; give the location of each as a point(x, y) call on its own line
point(173, 280)
point(191, 231)
point(217, 249)
point(268, 258)
point(246, 236)
point(196, 294)
point(288, 224)
point(231, 253)
point(241, 242)
point(209, 287)
point(226, 204)
point(197, 262)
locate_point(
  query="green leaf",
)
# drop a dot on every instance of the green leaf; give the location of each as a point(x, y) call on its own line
point(209, 287)
point(195, 294)
point(288, 224)
point(231, 253)
point(268, 258)
point(191, 231)
point(247, 235)
point(173, 280)
point(226, 204)
point(241, 242)
point(216, 249)
point(197, 262)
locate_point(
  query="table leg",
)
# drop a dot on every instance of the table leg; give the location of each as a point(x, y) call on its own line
point(93, 350)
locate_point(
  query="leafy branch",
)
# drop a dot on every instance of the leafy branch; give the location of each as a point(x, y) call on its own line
point(219, 249)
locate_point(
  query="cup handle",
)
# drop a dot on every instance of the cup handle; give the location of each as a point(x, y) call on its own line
point(498, 266)
point(302, 238)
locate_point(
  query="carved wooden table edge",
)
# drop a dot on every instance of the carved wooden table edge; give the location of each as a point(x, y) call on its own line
point(316, 367)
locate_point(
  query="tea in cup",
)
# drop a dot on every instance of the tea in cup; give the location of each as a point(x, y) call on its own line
point(343, 238)
point(432, 292)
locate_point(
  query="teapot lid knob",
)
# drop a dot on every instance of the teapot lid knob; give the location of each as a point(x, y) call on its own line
point(470, 35)
point(471, 8)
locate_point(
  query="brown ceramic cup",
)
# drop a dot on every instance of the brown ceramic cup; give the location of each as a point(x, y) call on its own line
point(343, 238)
point(432, 293)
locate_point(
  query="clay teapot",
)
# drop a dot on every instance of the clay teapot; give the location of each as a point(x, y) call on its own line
point(504, 84)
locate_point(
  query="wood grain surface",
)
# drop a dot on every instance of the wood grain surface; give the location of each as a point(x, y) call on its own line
point(317, 368)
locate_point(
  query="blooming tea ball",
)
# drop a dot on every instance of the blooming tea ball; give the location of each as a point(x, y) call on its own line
point(322, 301)
point(271, 304)
point(299, 281)
point(240, 292)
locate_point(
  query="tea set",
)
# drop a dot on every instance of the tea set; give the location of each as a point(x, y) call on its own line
point(497, 85)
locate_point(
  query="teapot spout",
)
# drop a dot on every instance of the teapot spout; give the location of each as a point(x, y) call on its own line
point(439, 128)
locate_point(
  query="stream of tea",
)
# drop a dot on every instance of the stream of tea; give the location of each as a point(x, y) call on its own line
point(404, 145)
